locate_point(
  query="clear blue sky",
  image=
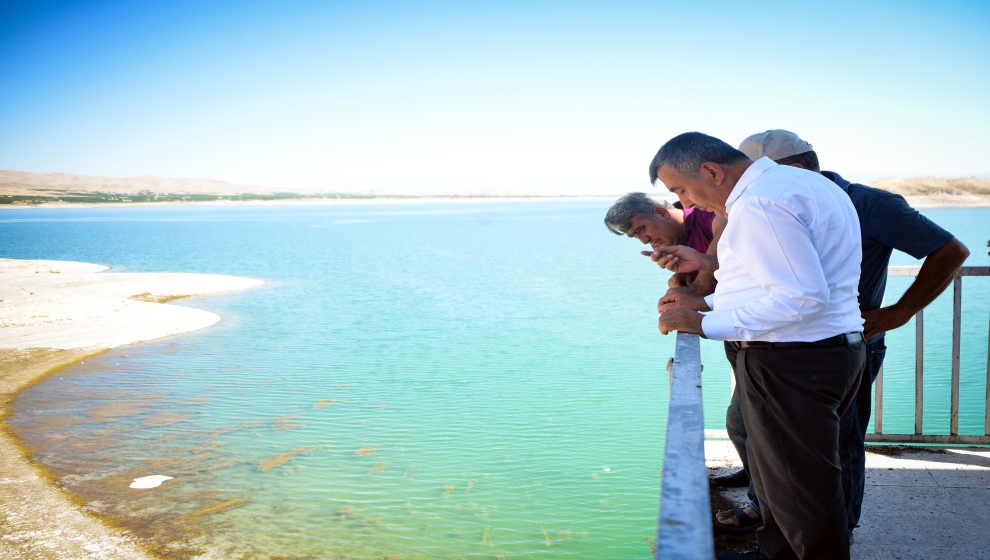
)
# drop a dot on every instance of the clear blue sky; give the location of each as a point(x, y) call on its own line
point(536, 97)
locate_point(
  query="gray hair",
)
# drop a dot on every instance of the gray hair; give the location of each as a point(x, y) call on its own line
point(686, 152)
point(618, 220)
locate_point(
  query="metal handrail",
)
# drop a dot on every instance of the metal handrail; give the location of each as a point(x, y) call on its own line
point(919, 368)
point(684, 529)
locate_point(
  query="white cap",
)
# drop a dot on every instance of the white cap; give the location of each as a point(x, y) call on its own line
point(774, 144)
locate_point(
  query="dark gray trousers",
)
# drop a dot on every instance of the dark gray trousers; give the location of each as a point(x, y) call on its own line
point(791, 401)
point(737, 430)
point(852, 433)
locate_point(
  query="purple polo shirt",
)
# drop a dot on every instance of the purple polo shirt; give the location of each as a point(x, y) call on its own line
point(697, 231)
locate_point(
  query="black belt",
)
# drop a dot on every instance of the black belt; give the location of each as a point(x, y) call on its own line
point(837, 340)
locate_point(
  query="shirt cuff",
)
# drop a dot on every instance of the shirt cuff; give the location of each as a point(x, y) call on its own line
point(718, 326)
point(710, 301)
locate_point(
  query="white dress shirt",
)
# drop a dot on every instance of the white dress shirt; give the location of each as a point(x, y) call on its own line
point(788, 259)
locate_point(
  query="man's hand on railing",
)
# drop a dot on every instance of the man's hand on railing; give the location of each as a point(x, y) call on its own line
point(683, 320)
point(682, 298)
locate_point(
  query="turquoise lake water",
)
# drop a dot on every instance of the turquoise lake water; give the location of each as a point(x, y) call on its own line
point(446, 380)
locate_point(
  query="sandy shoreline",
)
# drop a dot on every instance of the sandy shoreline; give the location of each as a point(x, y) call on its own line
point(329, 201)
point(53, 314)
point(947, 201)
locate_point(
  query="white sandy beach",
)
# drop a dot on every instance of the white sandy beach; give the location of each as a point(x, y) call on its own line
point(54, 313)
point(61, 304)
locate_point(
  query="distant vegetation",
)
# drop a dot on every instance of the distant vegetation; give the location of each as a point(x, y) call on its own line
point(108, 197)
point(26, 188)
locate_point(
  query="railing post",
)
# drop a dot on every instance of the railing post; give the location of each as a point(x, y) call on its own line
point(956, 335)
point(878, 403)
point(919, 371)
point(684, 529)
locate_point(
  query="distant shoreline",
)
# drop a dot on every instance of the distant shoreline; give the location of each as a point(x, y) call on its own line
point(29, 189)
point(941, 200)
point(931, 200)
point(322, 201)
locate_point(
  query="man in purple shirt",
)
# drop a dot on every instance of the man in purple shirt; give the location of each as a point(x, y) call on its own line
point(657, 223)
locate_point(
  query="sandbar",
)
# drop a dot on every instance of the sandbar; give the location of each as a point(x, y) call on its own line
point(53, 314)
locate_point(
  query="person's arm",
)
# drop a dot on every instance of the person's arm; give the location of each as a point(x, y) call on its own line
point(935, 275)
point(705, 283)
point(679, 307)
point(680, 280)
point(894, 223)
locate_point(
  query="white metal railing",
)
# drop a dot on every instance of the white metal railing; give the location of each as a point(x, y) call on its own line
point(684, 529)
point(919, 368)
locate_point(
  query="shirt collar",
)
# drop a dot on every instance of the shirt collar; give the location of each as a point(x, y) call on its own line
point(837, 179)
point(750, 175)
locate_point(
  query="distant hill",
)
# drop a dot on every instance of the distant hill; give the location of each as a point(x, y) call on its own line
point(939, 191)
point(929, 185)
point(22, 187)
point(24, 183)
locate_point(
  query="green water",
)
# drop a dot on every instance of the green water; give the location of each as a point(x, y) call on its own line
point(414, 381)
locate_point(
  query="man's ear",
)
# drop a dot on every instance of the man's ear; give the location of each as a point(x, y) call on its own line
point(662, 212)
point(798, 165)
point(713, 171)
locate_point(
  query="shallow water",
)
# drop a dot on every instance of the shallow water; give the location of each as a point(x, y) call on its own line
point(421, 381)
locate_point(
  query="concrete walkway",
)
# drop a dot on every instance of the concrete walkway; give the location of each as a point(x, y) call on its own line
point(921, 503)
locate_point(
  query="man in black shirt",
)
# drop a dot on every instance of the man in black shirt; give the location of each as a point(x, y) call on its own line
point(887, 222)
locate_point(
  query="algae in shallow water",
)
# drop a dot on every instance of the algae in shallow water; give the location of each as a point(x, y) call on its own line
point(117, 410)
point(222, 506)
point(201, 399)
point(227, 430)
point(282, 458)
point(221, 465)
point(285, 423)
point(366, 450)
point(165, 419)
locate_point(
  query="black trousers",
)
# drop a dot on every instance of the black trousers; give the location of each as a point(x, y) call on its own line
point(792, 399)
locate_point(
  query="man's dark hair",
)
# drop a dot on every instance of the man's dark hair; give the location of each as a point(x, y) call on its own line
point(686, 152)
point(808, 160)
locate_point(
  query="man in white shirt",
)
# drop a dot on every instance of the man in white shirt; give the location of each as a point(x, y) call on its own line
point(786, 298)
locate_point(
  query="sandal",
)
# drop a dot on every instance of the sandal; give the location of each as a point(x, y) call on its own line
point(746, 524)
